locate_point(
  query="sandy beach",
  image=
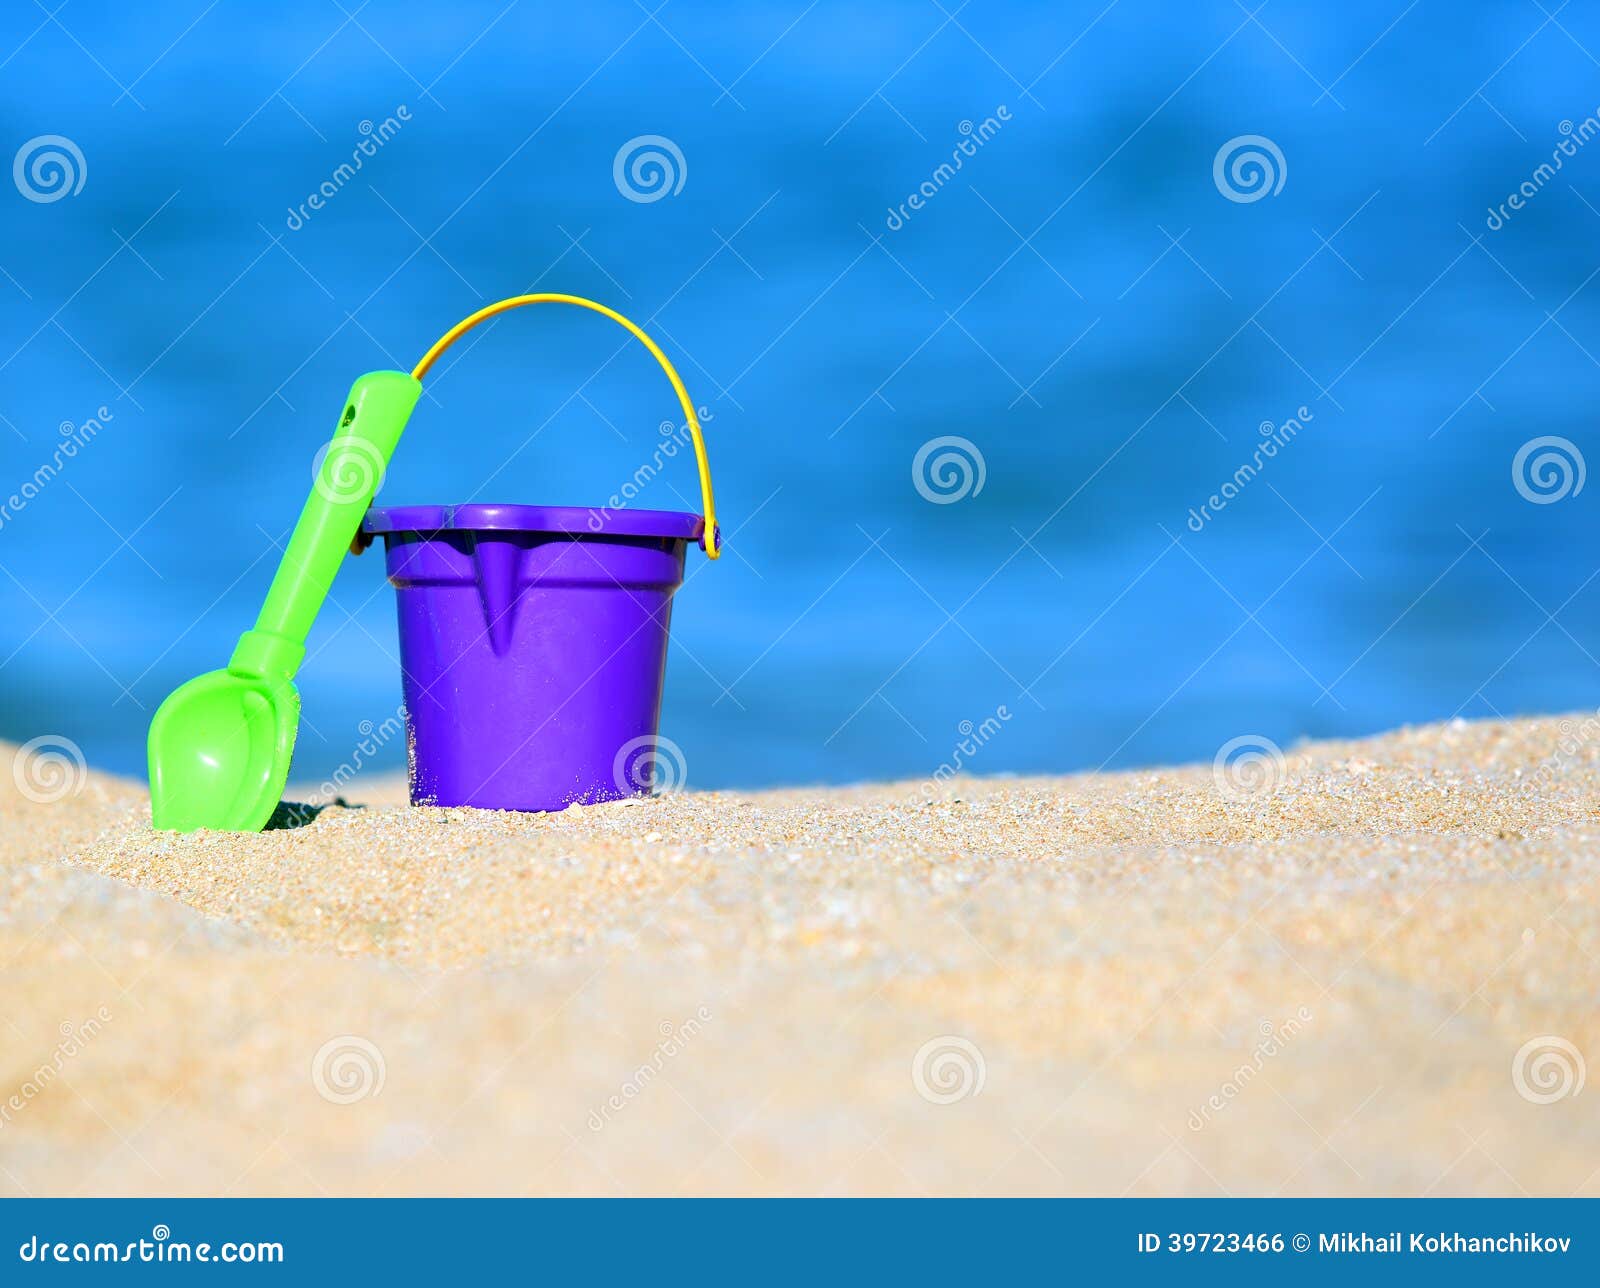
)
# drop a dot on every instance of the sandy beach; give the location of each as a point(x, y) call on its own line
point(1134, 983)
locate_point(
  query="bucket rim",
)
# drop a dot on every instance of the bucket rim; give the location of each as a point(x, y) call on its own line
point(566, 520)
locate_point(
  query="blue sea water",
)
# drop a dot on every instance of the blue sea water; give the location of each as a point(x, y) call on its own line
point(1083, 300)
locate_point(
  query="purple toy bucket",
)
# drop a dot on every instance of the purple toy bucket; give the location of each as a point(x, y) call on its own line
point(534, 648)
point(533, 638)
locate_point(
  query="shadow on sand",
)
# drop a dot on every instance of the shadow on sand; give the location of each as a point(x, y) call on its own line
point(292, 814)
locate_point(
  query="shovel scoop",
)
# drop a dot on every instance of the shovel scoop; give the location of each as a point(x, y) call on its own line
point(220, 745)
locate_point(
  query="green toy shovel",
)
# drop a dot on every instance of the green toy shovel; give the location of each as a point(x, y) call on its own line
point(220, 745)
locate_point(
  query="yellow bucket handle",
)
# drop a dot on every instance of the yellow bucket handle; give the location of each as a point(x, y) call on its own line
point(712, 540)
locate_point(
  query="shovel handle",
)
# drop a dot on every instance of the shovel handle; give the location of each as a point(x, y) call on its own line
point(350, 471)
point(712, 539)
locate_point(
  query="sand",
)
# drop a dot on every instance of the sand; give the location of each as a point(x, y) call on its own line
point(1106, 984)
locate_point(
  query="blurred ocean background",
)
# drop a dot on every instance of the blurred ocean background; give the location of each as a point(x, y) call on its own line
point(1081, 301)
